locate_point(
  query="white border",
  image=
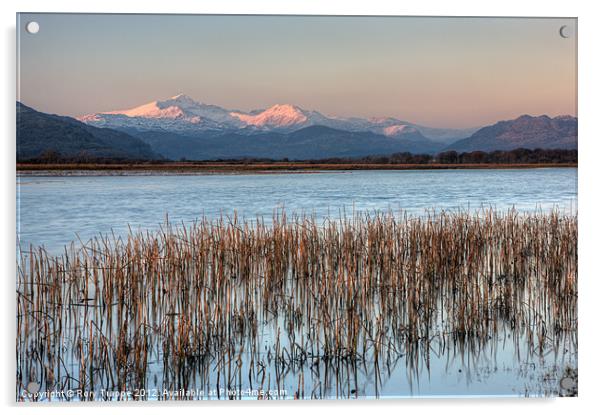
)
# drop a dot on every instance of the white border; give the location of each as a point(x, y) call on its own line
point(590, 151)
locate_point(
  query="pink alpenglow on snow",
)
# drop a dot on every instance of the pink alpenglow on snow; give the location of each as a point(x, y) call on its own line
point(183, 114)
point(398, 129)
point(178, 106)
point(279, 115)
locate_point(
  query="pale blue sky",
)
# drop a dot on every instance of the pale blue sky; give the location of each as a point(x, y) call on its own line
point(447, 72)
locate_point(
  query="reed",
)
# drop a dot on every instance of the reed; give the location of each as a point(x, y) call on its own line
point(312, 309)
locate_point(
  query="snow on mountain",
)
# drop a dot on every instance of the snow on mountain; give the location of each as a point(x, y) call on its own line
point(396, 130)
point(277, 116)
point(178, 113)
point(185, 115)
point(155, 109)
point(177, 107)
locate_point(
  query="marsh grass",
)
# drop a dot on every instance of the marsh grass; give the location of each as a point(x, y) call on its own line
point(293, 305)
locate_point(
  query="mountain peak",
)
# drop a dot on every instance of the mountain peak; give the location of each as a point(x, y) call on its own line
point(182, 99)
point(154, 109)
point(525, 131)
point(565, 117)
point(178, 113)
point(276, 116)
point(528, 117)
point(178, 106)
point(284, 108)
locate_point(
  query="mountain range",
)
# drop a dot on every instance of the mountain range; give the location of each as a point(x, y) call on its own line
point(181, 127)
point(183, 115)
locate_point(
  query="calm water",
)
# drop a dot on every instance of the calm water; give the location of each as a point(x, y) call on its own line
point(53, 211)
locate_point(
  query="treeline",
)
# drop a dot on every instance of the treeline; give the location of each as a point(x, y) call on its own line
point(82, 157)
point(518, 156)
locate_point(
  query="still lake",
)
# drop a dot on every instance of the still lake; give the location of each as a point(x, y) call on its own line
point(53, 211)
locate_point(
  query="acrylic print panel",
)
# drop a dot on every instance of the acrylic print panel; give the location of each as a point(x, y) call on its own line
point(295, 207)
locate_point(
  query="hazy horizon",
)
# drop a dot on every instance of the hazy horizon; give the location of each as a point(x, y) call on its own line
point(439, 72)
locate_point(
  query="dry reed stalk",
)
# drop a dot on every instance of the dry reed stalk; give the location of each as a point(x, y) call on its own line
point(199, 305)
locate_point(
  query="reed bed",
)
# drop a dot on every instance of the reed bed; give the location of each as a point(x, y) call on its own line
point(303, 307)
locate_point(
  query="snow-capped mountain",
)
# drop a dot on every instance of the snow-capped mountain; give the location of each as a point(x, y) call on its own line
point(277, 116)
point(177, 114)
point(182, 114)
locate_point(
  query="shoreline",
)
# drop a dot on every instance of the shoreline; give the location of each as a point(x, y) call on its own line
point(68, 169)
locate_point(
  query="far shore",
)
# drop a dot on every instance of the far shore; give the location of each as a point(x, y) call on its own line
point(233, 167)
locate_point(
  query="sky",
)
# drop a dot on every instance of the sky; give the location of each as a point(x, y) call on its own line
point(434, 71)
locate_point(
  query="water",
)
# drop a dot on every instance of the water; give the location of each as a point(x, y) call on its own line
point(53, 211)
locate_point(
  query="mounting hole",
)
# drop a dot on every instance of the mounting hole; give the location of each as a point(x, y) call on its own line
point(565, 31)
point(32, 27)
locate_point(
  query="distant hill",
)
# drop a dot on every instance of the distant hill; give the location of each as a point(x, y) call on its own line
point(39, 133)
point(523, 132)
point(314, 142)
